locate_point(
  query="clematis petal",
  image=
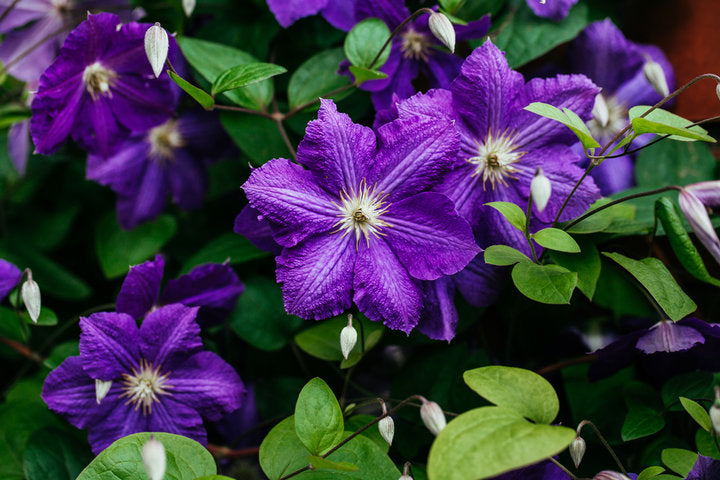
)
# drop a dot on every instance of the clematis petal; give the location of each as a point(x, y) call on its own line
point(705, 468)
point(54, 114)
point(707, 192)
point(97, 129)
point(428, 236)
point(148, 199)
point(29, 51)
point(140, 289)
point(173, 416)
point(443, 68)
point(340, 14)
point(19, 145)
point(21, 14)
point(637, 90)
point(187, 180)
point(667, 336)
point(317, 275)
point(206, 383)
point(392, 12)
point(480, 283)
point(552, 9)
point(289, 196)
point(439, 317)
point(337, 151)
point(288, 12)
point(169, 334)
point(109, 344)
point(139, 103)
point(384, 291)
point(250, 224)
point(122, 170)
point(401, 72)
point(10, 276)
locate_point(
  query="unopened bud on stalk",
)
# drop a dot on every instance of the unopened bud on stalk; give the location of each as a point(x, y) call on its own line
point(715, 412)
point(30, 292)
point(610, 475)
point(153, 458)
point(717, 90)
point(102, 388)
point(600, 111)
point(188, 7)
point(656, 76)
point(432, 416)
point(443, 30)
point(386, 425)
point(348, 338)
point(540, 189)
point(156, 47)
point(406, 474)
point(697, 215)
point(577, 450)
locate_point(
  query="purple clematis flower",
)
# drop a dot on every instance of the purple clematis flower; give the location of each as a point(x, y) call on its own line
point(414, 52)
point(615, 64)
point(214, 287)
point(155, 378)
point(100, 88)
point(552, 9)
point(705, 468)
point(359, 224)
point(168, 159)
point(10, 276)
point(251, 225)
point(339, 13)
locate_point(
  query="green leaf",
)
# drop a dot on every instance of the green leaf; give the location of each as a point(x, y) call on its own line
point(61, 352)
point(186, 459)
point(281, 452)
point(260, 318)
point(243, 75)
point(318, 418)
point(556, 239)
point(364, 42)
point(488, 441)
point(705, 443)
point(685, 250)
point(602, 220)
point(212, 59)
point(54, 454)
point(657, 280)
point(674, 163)
point(641, 422)
point(316, 77)
point(527, 36)
point(697, 412)
point(662, 122)
point(679, 460)
point(363, 74)
point(504, 255)
point(617, 292)
point(356, 422)
point(257, 137)
point(118, 249)
point(47, 318)
point(587, 264)
point(10, 326)
point(650, 472)
point(451, 5)
point(568, 118)
point(689, 385)
point(319, 462)
point(517, 389)
point(323, 339)
point(551, 284)
point(511, 212)
point(229, 247)
point(200, 95)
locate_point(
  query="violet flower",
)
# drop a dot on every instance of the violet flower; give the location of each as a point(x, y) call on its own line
point(359, 224)
point(339, 13)
point(251, 225)
point(10, 276)
point(415, 51)
point(705, 468)
point(170, 159)
point(161, 379)
point(100, 88)
point(694, 200)
point(552, 9)
point(213, 287)
point(615, 64)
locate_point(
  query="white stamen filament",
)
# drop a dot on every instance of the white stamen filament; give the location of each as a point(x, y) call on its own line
point(495, 159)
point(164, 139)
point(144, 385)
point(361, 212)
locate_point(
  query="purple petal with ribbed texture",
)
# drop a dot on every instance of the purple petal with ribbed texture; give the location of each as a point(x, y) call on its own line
point(552, 9)
point(288, 195)
point(707, 192)
point(414, 154)
point(206, 383)
point(22, 13)
point(384, 291)
point(96, 128)
point(288, 12)
point(140, 289)
point(148, 200)
point(19, 145)
point(54, 112)
point(705, 468)
point(480, 283)
point(399, 81)
point(109, 344)
point(337, 151)
point(340, 14)
point(10, 276)
point(23, 52)
point(214, 287)
point(249, 224)
point(666, 336)
point(439, 317)
point(169, 334)
point(317, 275)
point(428, 236)
point(187, 180)
point(124, 171)
point(140, 103)
point(392, 12)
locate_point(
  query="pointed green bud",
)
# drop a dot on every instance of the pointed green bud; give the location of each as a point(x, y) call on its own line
point(443, 30)
point(348, 338)
point(153, 458)
point(30, 292)
point(156, 47)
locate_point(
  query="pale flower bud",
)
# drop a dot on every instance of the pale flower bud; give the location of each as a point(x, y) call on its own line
point(348, 338)
point(717, 90)
point(697, 215)
point(540, 189)
point(30, 292)
point(600, 111)
point(432, 416)
point(102, 388)
point(577, 450)
point(153, 458)
point(386, 425)
point(156, 47)
point(443, 30)
point(188, 7)
point(656, 76)
point(715, 412)
point(610, 475)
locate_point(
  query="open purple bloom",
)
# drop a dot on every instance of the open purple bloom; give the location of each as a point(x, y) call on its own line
point(170, 159)
point(705, 468)
point(100, 88)
point(10, 276)
point(552, 9)
point(214, 287)
point(161, 379)
point(359, 224)
point(615, 64)
point(339, 13)
point(414, 52)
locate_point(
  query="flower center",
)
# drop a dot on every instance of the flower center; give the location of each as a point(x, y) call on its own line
point(144, 385)
point(361, 213)
point(415, 45)
point(495, 158)
point(164, 139)
point(616, 115)
point(98, 80)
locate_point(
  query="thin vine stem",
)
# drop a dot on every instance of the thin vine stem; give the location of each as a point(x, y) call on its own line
point(397, 30)
point(562, 467)
point(527, 228)
point(7, 11)
point(604, 442)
